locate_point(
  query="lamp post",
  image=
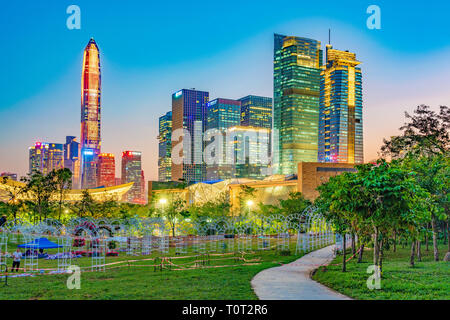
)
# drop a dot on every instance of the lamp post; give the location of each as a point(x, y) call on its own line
point(249, 204)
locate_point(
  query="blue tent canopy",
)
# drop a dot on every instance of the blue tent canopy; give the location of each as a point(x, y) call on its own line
point(41, 243)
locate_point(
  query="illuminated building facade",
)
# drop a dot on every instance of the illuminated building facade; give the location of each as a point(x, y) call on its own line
point(165, 147)
point(256, 112)
point(72, 159)
point(132, 172)
point(188, 115)
point(247, 149)
point(221, 115)
point(90, 115)
point(297, 67)
point(46, 157)
point(106, 170)
point(340, 117)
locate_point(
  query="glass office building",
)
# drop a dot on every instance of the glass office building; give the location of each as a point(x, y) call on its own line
point(132, 172)
point(106, 170)
point(165, 147)
point(221, 115)
point(297, 66)
point(340, 124)
point(256, 112)
point(188, 115)
point(90, 115)
point(72, 159)
point(46, 157)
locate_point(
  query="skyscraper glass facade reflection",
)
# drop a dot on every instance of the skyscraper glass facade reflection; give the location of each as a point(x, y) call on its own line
point(132, 172)
point(340, 124)
point(165, 147)
point(90, 115)
point(297, 66)
point(46, 157)
point(256, 112)
point(188, 114)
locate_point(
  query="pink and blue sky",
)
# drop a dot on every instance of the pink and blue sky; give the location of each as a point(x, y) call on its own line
point(150, 49)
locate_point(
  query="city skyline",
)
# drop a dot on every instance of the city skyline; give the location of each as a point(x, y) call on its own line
point(383, 92)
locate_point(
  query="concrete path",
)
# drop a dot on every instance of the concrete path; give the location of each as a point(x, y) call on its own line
point(293, 282)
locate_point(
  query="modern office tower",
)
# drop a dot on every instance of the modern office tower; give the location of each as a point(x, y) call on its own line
point(132, 172)
point(46, 157)
point(143, 184)
point(221, 114)
point(90, 115)
point(72, 159)
point(9, 175)
point(340, 117)
point(188, 126)
point(106, 170)
point(165, 147)
point(297, 66)
point(256, 112)
point(248, 151)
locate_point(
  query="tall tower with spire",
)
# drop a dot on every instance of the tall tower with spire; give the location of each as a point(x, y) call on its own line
point(90, 115)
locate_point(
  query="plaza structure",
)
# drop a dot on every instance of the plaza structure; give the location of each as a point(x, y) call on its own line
point(98, 194)
point(340, 112)
point(269, 190)
point(297, 67)
point(90, 115)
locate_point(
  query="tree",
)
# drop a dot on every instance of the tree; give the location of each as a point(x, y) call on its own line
point(424, 145)
point(63, 181)
point(13, 192)
point(84, 206)
point(41, 188)
point(295, 203)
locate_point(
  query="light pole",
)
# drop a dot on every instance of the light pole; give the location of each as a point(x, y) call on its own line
point(249, 204)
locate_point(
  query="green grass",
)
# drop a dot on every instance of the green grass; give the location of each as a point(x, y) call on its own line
point(426, 280)
point(145, 283)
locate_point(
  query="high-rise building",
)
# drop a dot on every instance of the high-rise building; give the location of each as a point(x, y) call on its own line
point(247, 149)
point(106, 170)
point(297, 66)
point(72, 159)
point(221, 114)
point(46, 157)
point(90, 115)
point(165, 147)
point(143, 184)
point(340, 118)
point(12, 176)
point(132, 172)
point(188, 126)
point(256, 112)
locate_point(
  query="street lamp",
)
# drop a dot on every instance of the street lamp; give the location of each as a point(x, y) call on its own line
point(249, 204)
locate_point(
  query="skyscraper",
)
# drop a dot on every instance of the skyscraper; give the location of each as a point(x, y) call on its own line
point(90, 115)
point(45, 157)
point(256, 112)
point(297, 63)
point(188, 115)
point(72, 159)
point(340, 119)
point(132, 172)
point(165, 147)
point(247, 150)
point(106, 170)
point(221, 115)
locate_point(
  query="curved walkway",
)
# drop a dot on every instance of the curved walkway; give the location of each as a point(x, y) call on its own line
point(293, 282)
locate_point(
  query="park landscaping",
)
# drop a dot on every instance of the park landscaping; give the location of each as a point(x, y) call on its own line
point(426, 280)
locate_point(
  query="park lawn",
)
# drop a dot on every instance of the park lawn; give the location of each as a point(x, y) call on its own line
point(145, 283)
point(426, 280)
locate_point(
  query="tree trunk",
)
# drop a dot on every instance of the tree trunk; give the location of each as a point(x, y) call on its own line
point(375, 247)
point(435, 238)
point(395, 241)
point(353, 244)
point(413, 253)
point(448, 233)
point(344, 267)
point(419, 253)
point(361, 251)
point(426, 237)
point(380, 252)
